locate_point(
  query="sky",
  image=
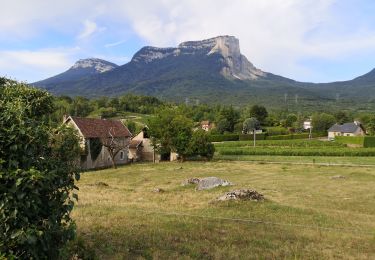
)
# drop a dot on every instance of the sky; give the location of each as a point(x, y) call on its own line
point(306, 40)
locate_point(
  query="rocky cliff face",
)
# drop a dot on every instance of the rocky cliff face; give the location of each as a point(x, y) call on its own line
point(94, 64)
point(234, 64)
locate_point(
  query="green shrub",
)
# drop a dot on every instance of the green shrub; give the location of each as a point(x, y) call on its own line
point(369, 141)
point(37, 174)
point(357, 140)
point(277, 130)
point(200, 145)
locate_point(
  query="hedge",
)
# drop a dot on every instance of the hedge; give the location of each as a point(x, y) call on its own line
point(263, 136)
point(288, 137)
point(243, 137)
point(224, 137)
point(298, 151)
point(303, 143)
point(369, 141)
point(364, 141)
point(277, 130)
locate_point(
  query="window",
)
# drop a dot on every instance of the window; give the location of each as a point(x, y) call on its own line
point(122, 155)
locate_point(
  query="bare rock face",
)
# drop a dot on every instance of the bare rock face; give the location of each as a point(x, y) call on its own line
point(241, 195)
point(94, 64)
point(234, 64)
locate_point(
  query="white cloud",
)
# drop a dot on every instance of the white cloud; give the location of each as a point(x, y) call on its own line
point(276, 35)
point(113, 44)
point(89, 29)
point(36, 65)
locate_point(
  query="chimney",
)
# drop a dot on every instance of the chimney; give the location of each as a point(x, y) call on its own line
point(65, 117)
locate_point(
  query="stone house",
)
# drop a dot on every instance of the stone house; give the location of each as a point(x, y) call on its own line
point(141, 149)
point(347, 129)
point(93, 132)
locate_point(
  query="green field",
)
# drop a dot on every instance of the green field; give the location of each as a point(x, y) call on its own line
point(291, 148)
point(306, 214)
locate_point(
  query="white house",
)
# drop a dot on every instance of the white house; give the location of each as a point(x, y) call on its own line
point(307, 125)
point(347, 129)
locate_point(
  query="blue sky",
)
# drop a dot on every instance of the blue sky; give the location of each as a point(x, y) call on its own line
point(307, 40)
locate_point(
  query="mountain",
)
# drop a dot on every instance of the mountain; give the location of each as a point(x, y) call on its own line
point(81, 69)
point(211, 70)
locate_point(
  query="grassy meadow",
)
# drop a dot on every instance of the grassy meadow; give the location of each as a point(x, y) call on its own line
point(306, 214)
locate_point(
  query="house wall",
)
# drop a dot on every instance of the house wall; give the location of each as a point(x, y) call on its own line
point(104, 159)
point(147, 152)
point(331, 135)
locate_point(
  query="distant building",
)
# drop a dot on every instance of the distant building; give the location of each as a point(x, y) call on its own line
point(206, 125)
point(91, 131)
point(141, 149)
point(347, 129)
point(307, 125)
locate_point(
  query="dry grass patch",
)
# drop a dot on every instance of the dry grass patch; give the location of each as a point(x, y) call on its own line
point(306, 213)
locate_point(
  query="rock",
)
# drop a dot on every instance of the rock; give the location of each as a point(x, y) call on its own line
point(338, 177)
point(158, 190)
point(241, 195)
point(211, 182)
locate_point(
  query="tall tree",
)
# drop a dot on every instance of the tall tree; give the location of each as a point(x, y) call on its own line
point(259, 112)
point(113, 145)
point(171, 130)
point(231, 115)
point(321, 122)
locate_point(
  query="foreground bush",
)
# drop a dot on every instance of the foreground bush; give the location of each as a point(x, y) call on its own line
point(37, 174)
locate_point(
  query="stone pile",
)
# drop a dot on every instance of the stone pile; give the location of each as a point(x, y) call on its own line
point(241, 195)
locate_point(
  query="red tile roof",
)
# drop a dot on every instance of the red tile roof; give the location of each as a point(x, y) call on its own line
point(94, 127)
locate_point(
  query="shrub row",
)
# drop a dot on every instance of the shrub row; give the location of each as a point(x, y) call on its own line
point(263, 136)
point(249, 137)
point(369, 141)
point(281, 143)
point(224, 137)
point(364, 141)
point(298, 151)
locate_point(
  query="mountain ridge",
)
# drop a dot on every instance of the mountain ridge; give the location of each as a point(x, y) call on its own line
point(213, 70)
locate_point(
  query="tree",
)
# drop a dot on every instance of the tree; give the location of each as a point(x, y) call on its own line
point(38, 168)
point(131, 125)
point(171, 131)
point(342, 117)
point(322, 122)
point(231, 115)
point(251, 125)
point(259, 112)
point(113, 145)
point(223, 126)
point(290, 120)
point(371, 126)
point(200, 145)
